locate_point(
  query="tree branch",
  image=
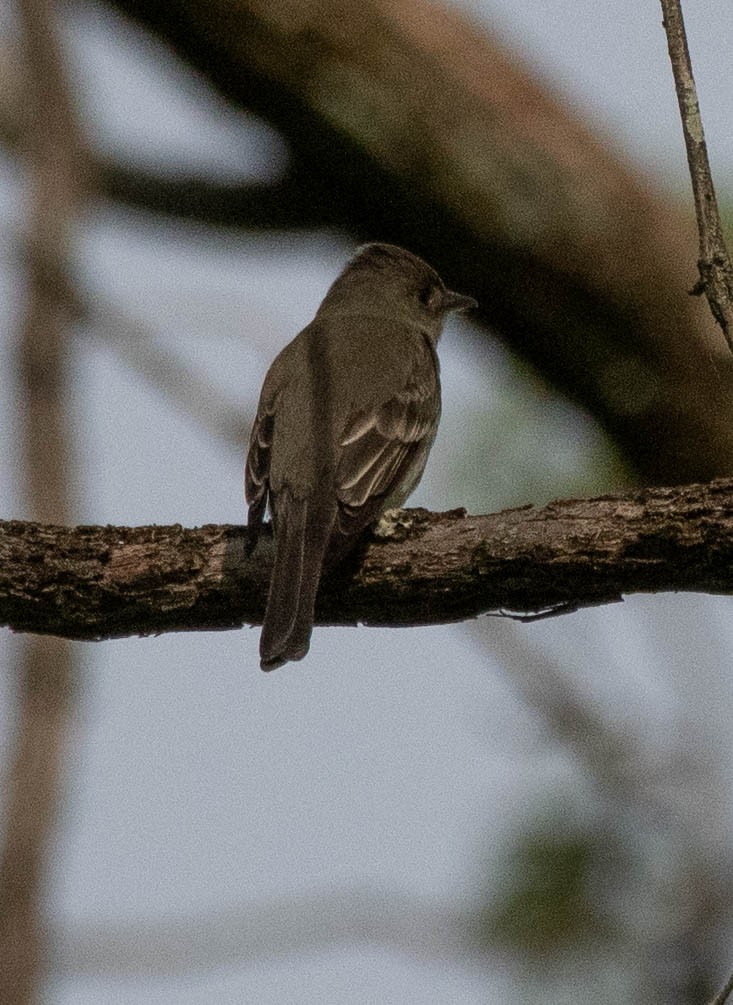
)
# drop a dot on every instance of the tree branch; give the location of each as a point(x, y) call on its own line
point(716, 272)
point(282, 204)
point(465, 159)
point(414, 126)
point(426, 568)
point(278, 205)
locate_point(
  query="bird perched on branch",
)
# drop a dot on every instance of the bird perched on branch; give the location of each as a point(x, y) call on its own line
point(347, 415)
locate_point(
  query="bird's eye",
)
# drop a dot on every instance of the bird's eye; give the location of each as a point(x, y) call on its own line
point(428, 296)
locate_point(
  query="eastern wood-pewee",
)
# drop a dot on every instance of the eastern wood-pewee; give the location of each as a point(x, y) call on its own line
point(346, 418)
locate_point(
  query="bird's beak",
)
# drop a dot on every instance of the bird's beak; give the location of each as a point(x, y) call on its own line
point(457, 302)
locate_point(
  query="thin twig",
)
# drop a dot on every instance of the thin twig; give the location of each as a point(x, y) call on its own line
point(716, 272)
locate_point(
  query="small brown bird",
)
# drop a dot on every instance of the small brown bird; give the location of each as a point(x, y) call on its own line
point(346, 419)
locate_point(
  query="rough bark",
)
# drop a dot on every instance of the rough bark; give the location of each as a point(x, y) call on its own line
point(426, 568)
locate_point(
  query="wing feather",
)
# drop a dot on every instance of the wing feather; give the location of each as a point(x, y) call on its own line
point(259, 453)
point(383, 452)
point(256, 477)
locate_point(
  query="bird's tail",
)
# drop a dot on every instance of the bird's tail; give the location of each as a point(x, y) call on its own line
point(301, 539)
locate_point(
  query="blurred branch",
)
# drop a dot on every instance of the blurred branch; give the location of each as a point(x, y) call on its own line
point(407, 123)
point(254, 933)
point(716, 271)
point(432, 136)
point(609, 756)
point(632, 788)
point(108, 582)
point(139, 347)
point(163, 369)
point(55, 165)
point(143, 351)
point(279, 205)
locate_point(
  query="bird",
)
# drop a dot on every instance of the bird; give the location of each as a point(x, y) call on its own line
point(346, 418)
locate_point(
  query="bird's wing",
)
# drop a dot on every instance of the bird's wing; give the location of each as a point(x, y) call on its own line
point(257, 469)
point(383, 451)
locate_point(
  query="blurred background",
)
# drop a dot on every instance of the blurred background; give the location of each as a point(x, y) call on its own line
point(486, 812)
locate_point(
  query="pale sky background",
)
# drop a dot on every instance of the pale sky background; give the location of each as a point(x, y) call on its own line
point(391, 762)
